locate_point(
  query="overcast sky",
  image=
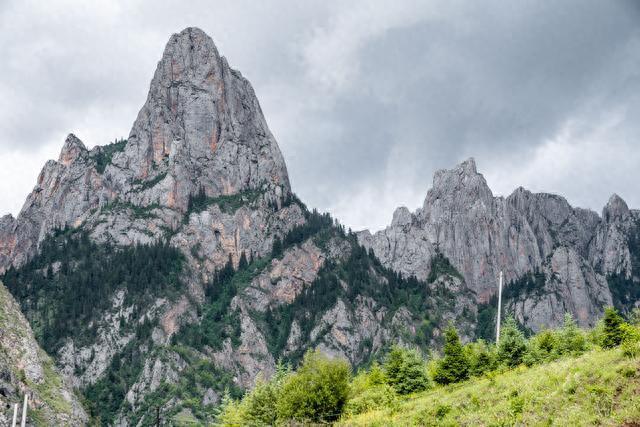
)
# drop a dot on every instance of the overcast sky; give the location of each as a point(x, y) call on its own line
point(366, 99)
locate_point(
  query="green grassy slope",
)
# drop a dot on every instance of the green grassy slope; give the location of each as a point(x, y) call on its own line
point(598, 388)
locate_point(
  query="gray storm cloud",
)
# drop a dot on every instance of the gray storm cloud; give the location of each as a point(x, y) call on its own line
point(367, 99)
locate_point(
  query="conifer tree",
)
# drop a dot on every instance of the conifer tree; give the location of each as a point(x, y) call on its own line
point(613, 332)
point(513, 345)
point(276, 249)
point(405, 370)
point(454, 366)
point(242, 264)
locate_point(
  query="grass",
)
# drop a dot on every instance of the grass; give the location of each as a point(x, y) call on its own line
point(50, 388)
point(598, 388)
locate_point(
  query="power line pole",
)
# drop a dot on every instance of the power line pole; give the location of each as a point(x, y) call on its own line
point(499, 308)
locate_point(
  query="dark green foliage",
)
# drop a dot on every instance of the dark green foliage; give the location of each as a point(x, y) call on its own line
point(276, 249)
point(481, 357)
point(571, 339)
point(513, 344)
point(218, 322)
point(486, 320)
point(199, 376)
point(542, 347)
point(103, 156)
point(315, 222)
point(150, 183)
point(454, 366)
point(625, 292)
point(227, 203)
point(405, 370)
point(72, 280)
point(527, 285)
point(362, 273)
point(440, 265)
point(105, 397)
point(243, 263)
point(613, 331)
point(364, 276)
point(317, 392)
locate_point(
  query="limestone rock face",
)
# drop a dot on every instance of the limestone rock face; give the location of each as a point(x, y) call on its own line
point(525, 232)
point(200, 128)
point(201, 136)
point(25, 368)
point(572, 287)
point(200, 133)
point(203, 123)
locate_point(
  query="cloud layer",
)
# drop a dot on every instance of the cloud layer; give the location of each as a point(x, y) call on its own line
point(367, 99)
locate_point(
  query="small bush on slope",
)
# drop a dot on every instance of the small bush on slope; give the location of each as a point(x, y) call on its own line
point(317, 392)
point(369, 390)
point(630, 341)
point(481, 357)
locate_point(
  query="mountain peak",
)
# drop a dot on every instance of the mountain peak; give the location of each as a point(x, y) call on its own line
point(468, 166)
point(458, 188)
point(71, 150)
point(202, 124)
point(615, 209)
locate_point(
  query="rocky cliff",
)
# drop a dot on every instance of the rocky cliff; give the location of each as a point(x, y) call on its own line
point(577, 251)
point(165, 268)
point(25, 368)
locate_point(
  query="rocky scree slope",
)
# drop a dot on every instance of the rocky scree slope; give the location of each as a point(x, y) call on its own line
point(555, 258)
point(26, 368)
point(160, 270)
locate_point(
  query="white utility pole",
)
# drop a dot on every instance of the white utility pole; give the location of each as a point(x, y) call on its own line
point(24, 412)
point(499, 308)
point(15, 415)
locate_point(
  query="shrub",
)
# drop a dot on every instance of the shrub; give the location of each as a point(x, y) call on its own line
point(634, 317)
point(232, 412)
point(542, 347)
point(612, 336)
point(513, 345)
point(406, 371)
point(630, 340)
point(454, 366)
point(369, 391)
point(317, 392)
point(481, 357)
point(260, 403)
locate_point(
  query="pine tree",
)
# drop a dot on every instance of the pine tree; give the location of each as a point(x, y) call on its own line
point(242, 264)
point(405, 371)
point(513, 345)
point(454, 366)
point(276, 250)
point(613, 332)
